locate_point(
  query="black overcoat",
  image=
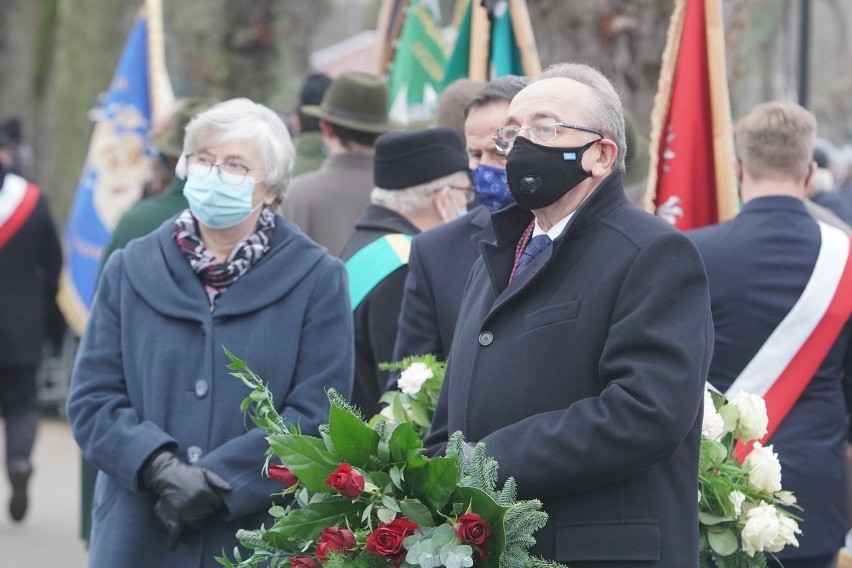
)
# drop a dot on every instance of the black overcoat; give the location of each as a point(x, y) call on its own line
point(438, 270)
point(585, 377)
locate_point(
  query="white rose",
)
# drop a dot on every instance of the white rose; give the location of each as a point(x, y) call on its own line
point(764, 471)
point(412, 379)
point(786, 497)
point(788, 528)
point(753, 420)
point(737, 498)
point(761, 528)
point(712, 426)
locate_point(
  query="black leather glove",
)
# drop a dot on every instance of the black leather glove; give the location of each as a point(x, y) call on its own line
point(188, 494)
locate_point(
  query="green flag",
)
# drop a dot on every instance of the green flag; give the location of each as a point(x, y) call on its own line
point(504, 56)
point(415, 75)
point(457, 63)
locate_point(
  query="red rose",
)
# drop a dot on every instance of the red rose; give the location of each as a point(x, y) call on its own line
point(472, 529)
point(282, 474)
point(387, 539)
point(347, 481)
point(304, 562)
point(334, 539)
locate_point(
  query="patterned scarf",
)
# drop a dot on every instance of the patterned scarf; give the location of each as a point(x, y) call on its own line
point(216, 276)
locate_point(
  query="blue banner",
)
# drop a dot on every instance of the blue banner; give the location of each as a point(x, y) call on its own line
point(117, 165)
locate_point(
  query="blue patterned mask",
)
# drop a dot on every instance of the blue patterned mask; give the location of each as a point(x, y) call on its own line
point(492, 188)
point(218, 204)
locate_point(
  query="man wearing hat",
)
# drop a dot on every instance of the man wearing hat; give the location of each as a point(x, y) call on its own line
point(421, 181)
point(309, 147)
point(326, 204)
point(149, 213)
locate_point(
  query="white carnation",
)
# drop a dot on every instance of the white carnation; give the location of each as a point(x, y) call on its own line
point(712, 426)
point(412, 378)
point(764, 470)
point(788, 528)
point(761, 528)
point(737, 499)
point(753, 420)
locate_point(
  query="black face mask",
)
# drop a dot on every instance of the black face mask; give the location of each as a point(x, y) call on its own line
point(539, 175)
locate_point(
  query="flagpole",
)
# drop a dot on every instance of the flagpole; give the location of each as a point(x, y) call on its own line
point(525, 37)
point(480, 38)
point(723, 138)
point(388, 29)
point(159, 85)
point(662, 99)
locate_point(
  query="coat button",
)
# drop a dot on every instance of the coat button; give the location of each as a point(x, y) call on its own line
point(201, 388)
point(193, 454)
point(485, 338)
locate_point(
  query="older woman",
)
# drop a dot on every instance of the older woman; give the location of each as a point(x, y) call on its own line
point(152, 405)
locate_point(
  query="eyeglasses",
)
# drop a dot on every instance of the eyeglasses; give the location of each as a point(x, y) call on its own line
point(467, 191)
point(541, 130)
point(231, 171)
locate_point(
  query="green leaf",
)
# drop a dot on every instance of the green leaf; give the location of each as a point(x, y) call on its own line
point(390, 503)
point(493, 514)
point(385, 515)
point(403, 440)
point(305, 523)
point(434, 482)
point(419, 414)
point(353, 440)
point(417, 512)
point(396, 477)
point(723, 542)
point(710, 519)
point(307, 458)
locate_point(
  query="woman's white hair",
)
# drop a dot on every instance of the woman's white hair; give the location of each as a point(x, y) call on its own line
point(416, 197)
point(243, 119)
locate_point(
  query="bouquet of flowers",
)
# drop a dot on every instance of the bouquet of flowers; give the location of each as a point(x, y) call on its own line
point(417, 392)
point(740, 504)
point(363, 496)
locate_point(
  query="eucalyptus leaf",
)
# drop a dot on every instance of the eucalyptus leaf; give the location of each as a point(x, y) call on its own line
point(723, 542)
point(390, 503)
point(385, 515)
point(417, 512)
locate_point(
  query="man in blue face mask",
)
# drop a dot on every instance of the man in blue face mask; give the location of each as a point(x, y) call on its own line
point(442, 257)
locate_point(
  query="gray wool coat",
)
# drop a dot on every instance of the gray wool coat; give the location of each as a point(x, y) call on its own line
point(151, 372)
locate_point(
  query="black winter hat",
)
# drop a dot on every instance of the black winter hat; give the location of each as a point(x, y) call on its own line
point(314, 88)
point(403, 159)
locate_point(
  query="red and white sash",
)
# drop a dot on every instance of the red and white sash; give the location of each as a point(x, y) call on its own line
point(18, 199)
point(785, 364)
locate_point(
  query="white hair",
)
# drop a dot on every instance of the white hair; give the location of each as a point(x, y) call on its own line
point(608, 113)
point(416, 197)
point(243, 119)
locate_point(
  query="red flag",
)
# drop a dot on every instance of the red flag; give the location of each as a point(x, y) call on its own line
point(691, 180)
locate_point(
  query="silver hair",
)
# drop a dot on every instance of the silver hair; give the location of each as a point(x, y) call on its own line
point(415, 197)
point(243, 119)
point(607, 115)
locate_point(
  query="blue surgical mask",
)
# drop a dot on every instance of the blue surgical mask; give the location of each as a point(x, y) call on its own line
point(492, 188)
point(216, 203)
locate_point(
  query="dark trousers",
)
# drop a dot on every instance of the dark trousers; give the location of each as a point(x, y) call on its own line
point(812, 562)
point(19, 406)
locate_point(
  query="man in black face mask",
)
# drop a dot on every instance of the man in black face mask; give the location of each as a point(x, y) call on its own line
point(584, 340)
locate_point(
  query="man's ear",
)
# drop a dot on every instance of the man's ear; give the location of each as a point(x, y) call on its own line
point(606, 157)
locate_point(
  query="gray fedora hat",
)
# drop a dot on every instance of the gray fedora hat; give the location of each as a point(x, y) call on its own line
point(355, 100)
